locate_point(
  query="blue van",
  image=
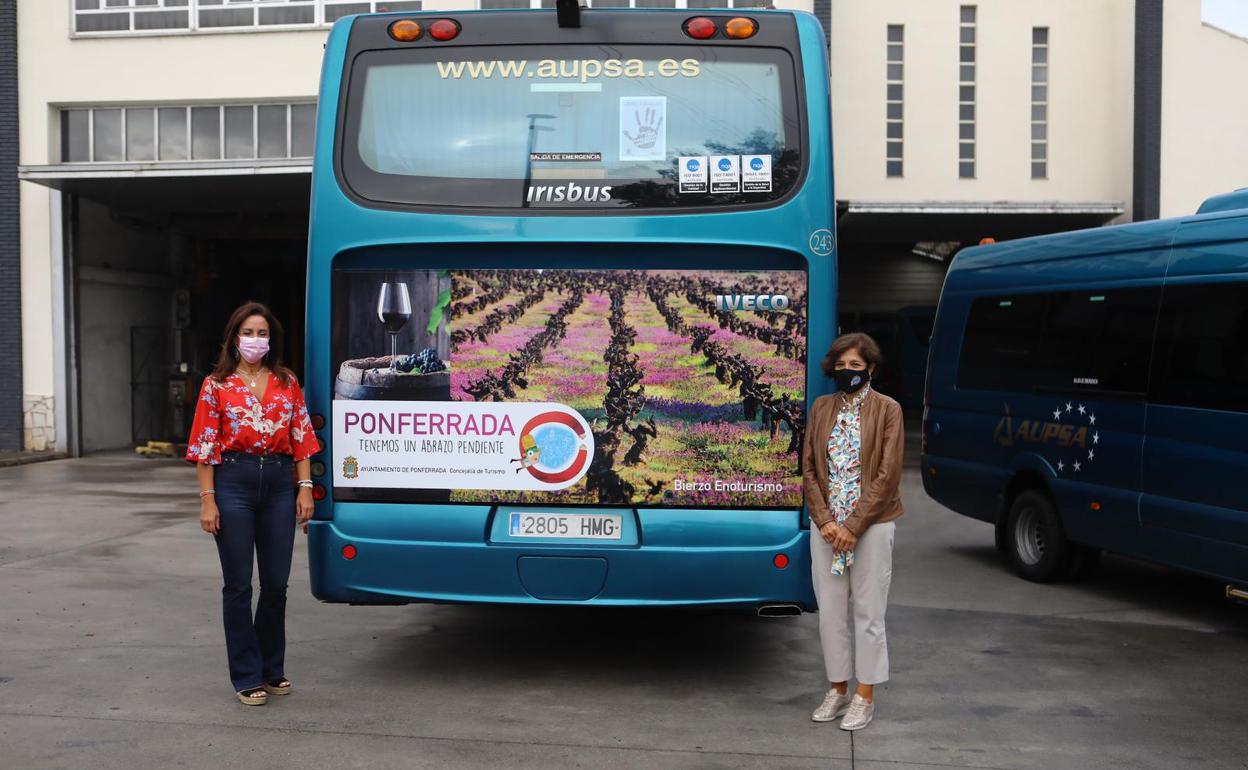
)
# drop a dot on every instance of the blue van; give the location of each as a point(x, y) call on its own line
point(1088, 392)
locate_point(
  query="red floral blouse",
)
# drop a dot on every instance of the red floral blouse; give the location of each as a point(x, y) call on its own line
point(229, 418)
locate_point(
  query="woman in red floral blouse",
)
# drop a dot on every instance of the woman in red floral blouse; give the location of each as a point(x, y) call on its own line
point(251, 440)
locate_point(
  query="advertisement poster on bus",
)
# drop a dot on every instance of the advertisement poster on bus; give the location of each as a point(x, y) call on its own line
point(672, 388)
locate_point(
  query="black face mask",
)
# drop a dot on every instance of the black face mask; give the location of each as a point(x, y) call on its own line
point(851, 380)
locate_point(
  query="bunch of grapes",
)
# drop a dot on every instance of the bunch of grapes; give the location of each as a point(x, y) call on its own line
point(424, 362)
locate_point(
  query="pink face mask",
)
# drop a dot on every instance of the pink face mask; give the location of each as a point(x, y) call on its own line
point(252, 349)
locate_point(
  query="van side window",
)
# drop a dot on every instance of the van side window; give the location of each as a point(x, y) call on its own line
point(1090, 340)
point(1099, 340)
point(1201, 359)
point(1002, 337)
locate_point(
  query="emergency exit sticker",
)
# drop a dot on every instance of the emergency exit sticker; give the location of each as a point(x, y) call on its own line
point(756, 173)
point(725, 173)
point(693, 174)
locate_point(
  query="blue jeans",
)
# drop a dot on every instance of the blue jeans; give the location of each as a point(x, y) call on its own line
point(256, 498)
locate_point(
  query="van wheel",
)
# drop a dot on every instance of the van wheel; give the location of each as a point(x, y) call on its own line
point(1035, 543)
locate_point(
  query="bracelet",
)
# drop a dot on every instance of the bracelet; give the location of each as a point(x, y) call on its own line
point(207, 492)
point(305, 483)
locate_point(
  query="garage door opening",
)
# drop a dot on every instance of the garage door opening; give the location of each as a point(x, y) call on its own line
point(155, 266)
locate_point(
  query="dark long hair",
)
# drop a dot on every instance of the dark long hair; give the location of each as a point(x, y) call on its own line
point(227, 362)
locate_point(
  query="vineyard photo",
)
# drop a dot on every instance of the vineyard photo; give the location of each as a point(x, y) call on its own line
point(675, 389)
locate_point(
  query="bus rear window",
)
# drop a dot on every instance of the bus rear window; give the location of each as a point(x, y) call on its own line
point(573, 127)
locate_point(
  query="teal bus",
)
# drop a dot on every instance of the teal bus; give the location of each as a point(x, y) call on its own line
point(567, 272)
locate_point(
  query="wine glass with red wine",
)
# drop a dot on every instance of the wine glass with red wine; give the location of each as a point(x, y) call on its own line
point(394, 308)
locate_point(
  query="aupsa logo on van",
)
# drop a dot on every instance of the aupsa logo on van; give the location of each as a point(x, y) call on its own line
point(1069, 441)
point(569, 192)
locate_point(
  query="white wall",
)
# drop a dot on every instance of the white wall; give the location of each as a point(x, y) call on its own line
point(56, 70)
point(1204, 123)
point(1090, 100)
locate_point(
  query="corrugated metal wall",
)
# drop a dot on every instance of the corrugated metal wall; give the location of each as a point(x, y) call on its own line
point(885, 281)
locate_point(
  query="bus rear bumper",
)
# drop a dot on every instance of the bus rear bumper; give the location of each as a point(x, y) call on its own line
point(386, 571)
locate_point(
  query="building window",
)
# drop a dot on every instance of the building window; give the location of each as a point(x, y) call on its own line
point(131, 15)
point(1040, 103)
point(198, 132)
point(167, 16)
point(494, 5)
point(894, 101)
point(966, 92)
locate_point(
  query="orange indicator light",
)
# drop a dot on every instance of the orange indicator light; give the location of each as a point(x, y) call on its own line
point(740, 28)
point(405, 30)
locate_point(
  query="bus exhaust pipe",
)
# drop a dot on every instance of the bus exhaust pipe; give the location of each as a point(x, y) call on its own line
point(1237, 593)
point(779, 610)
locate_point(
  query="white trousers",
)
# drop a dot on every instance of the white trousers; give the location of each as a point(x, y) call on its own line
point(864, 588)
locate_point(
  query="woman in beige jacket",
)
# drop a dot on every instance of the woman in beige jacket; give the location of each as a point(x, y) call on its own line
point(851, 476)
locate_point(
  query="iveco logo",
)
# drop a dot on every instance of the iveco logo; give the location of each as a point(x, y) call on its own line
point(756, 302)
point(569, 193)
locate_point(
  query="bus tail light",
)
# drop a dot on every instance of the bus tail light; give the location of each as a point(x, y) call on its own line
point(740, 28)
point(700, 28)
point(318, 492)
point(443, 30)
point(318, 421)
point(348, 552)
point(406, 30)
point(780, 560)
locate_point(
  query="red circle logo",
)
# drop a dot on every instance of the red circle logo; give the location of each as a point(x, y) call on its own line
point(578, 462)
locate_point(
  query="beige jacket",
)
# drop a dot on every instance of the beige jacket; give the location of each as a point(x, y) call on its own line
point(883, 444)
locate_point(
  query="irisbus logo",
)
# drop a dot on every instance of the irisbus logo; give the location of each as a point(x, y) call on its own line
point(756, 302)
point(570, 192)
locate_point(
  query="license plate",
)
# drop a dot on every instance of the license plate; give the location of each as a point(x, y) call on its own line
point(579, 526)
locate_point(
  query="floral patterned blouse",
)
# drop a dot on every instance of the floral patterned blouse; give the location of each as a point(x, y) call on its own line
point(845, 469)
point(229, 418)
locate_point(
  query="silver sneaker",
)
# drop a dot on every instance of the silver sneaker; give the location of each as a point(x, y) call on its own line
point(833, 706)
point(859, 714)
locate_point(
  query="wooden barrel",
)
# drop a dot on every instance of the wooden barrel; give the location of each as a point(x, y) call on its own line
point(372, 379)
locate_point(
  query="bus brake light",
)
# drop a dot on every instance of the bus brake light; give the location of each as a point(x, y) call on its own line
point(405, 30)
point(780, 561)
point(348, 552)
point(318, 492)
point(740, 28)
point(700, 28)
point(444, 29)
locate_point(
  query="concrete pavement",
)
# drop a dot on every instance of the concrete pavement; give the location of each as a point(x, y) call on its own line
point(111, 656)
